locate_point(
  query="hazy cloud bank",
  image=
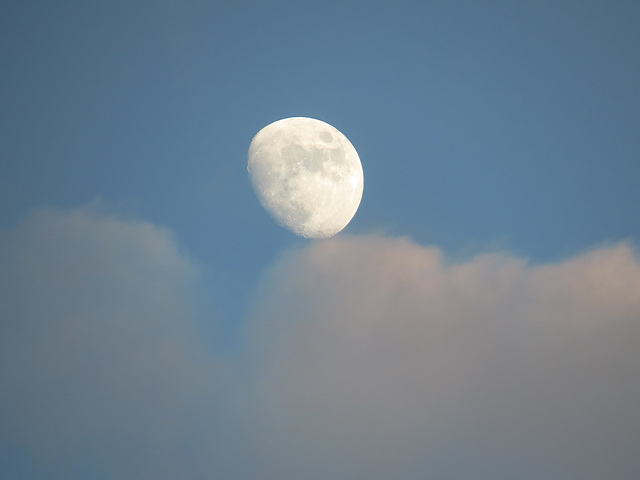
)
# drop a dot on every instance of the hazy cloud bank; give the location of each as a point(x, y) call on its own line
point(383, 361)
point(100, 376)
point(366, 358)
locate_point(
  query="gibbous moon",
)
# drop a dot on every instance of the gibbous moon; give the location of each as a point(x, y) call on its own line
point(307, 175)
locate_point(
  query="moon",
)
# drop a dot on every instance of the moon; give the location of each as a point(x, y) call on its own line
point(307, 175)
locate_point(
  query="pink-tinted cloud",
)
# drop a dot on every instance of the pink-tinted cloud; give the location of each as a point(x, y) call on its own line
point(380, 359)
point(366, 358)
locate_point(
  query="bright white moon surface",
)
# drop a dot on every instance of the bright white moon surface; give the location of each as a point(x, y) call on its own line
point(307, 175)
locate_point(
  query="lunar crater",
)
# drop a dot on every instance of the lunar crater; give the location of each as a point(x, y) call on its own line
point(326, 137)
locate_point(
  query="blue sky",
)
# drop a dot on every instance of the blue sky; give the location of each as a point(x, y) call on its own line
point(500, 143)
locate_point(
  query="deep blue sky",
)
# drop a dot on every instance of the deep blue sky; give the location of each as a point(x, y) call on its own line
point(481, 126)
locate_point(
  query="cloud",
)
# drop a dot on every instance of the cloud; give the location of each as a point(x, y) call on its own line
point(382, 360)
point(101, 374)
point(365, 357)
